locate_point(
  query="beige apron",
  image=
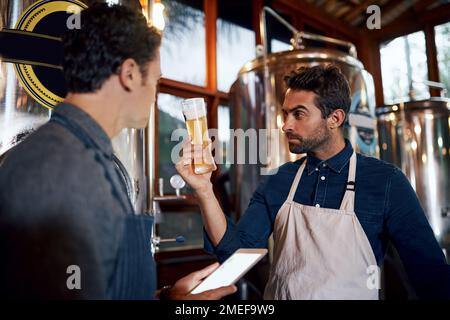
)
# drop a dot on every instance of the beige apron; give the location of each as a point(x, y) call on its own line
point(321, 253)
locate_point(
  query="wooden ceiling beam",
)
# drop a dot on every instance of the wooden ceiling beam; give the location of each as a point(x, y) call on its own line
point(358, 10)
point(342, 11)
point(317, 14)
point(405, 24)
point(422, 5)
point(437, 15)
point(410, 22)
point(393, 10)
point(352, 2)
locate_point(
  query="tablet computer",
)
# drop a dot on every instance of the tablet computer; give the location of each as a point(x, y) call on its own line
point(234, 268)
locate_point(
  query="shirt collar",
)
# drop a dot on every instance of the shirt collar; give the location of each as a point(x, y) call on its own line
point(88, 124)
point(336, 163)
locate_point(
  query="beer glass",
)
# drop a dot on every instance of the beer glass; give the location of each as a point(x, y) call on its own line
point(194, 111)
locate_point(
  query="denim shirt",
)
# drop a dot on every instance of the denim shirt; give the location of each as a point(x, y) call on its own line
point(385, 205)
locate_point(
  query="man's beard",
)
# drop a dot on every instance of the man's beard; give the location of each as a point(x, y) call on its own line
point(318, 139)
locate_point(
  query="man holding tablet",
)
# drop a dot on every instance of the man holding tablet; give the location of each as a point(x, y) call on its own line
point(332, 213)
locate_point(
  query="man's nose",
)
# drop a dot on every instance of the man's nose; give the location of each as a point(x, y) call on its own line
point(287, 125)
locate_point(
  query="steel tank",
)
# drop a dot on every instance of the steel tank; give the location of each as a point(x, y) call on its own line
point(20, 114)
point(415, 136)
point(257, 97)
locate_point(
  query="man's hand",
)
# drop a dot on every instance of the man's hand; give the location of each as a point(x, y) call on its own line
point(182, 288)
point(195, 154)
point(212, 215)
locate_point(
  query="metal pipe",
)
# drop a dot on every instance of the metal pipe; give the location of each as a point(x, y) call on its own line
point(149, 142)
point(313, 36)
point(298, 35)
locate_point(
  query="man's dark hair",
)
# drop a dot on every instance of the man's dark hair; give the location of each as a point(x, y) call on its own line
point(108, 36)
point(327, 82)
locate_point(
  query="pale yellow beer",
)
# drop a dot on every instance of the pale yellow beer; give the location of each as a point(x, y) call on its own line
point(194, 111)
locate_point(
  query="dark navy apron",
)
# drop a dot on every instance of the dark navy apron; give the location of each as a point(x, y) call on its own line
point(134, 276)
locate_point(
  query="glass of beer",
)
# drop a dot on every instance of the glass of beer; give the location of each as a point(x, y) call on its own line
point(194, 111)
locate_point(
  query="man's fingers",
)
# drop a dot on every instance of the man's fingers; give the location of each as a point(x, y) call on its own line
point(186, 146)
point(198, 153)
point(186, 156)
point(203, 273)
point(208, 157)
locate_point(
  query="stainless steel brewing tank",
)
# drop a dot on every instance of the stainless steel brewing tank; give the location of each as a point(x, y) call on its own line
point(257, 104)
point(20, 115)
point(415, 136)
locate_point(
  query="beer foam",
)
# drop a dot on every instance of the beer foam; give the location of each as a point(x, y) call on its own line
point(194, 108)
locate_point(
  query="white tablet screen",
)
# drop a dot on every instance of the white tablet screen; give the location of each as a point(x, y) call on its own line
point(229, 272)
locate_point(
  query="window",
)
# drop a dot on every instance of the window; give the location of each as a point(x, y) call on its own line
point(183, 52)
point(404, 68)
point(442, 34)
point(224, 155)
point(278, 46)
point(170, 118)
point(235, 40)
point(223, 127)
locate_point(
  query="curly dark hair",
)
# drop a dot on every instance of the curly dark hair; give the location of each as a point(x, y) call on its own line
point(108, 36)
point(327, 82)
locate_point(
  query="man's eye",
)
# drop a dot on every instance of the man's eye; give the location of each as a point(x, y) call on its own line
point(298, 114)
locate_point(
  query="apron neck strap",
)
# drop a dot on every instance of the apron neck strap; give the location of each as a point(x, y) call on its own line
point(296, 181)
point(348, 202)
point(352, 170)
point(349, 195)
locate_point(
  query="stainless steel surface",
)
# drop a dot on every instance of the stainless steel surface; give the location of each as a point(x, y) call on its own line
point(257, 97)
point(129, 147)
point(415, 136)
point(19, 113)
point(161, 186)
point(170, 198)
point(298, 41)
point(177, 182)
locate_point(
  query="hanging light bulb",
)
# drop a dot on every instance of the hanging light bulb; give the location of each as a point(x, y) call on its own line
point(158, 16)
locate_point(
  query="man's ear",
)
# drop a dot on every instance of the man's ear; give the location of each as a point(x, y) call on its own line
point(336, 118)
point(129, 74)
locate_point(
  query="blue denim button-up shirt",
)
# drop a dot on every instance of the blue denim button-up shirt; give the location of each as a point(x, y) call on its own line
point(385, 204)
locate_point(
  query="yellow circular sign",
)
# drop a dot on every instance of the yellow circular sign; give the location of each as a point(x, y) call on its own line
point(47, 19)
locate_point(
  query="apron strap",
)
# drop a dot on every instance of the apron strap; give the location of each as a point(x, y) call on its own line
point(296, 181)
point(90, 143)
point(348, 202)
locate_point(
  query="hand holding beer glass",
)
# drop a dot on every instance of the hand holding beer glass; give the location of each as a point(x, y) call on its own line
point(194, 111)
